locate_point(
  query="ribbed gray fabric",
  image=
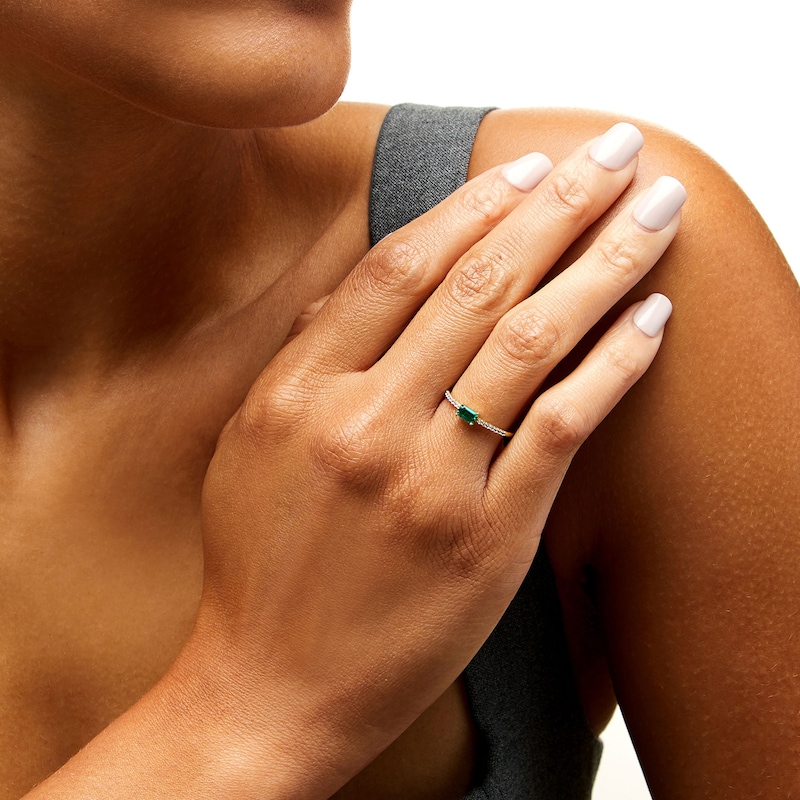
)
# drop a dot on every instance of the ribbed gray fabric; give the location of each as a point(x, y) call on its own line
point(422, 156)
point(535, 742)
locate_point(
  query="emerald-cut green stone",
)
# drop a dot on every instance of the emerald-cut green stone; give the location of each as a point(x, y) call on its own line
point(467, 414)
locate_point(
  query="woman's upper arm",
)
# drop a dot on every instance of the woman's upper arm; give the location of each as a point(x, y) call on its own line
point(684, 506)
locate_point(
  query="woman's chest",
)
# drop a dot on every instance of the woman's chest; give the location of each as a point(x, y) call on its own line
point(101, 549)
point(101, 566)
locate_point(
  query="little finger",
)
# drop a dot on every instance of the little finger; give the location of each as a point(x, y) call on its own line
point(525, 476)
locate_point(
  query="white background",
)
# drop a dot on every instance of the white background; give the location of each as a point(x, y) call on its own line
point(724, 75)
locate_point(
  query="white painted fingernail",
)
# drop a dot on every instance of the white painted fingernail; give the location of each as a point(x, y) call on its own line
point(527, 172)
point(660, 204)
point(652, 315)
point(616, 148)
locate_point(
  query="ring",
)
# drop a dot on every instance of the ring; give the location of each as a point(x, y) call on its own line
point(472, 417)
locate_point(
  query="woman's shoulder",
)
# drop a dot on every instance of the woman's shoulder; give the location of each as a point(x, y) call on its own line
point(506, 134)
point(340, 145)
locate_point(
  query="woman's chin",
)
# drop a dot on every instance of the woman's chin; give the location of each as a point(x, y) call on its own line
point(243, 87)
point(244, 101)
point(229, 66)
point(260, 79)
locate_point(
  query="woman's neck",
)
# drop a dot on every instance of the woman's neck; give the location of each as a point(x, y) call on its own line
point(114, 222)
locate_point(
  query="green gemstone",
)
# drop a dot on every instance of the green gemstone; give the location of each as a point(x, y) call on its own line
point(467, 414)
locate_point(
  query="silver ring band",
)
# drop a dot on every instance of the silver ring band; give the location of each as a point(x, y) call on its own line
point(471, 417)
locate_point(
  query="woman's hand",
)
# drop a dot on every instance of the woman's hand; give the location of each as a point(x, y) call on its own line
point(362, 539)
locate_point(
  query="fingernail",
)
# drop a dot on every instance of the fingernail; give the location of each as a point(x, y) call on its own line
point(660, 204)
point(527, 172)
point(652, 315)
point(616, 148)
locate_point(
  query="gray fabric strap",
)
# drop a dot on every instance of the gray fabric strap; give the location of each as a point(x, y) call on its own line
point(420, 159)
point(525, 703)
point(535, 743)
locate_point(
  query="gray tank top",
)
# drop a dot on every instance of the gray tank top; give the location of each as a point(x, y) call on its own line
point(534, 740)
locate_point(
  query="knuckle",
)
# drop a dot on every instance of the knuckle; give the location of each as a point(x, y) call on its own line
point(482, 202)
point(570, 197)
point(396, 264)
point(480, 281)
point(562, 427)
point(271, 409)
point(619, 260)
point(622, 363)
point(348, 452)
point(528, 338)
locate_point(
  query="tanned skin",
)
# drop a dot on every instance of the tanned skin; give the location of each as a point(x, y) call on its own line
point(142, 297)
